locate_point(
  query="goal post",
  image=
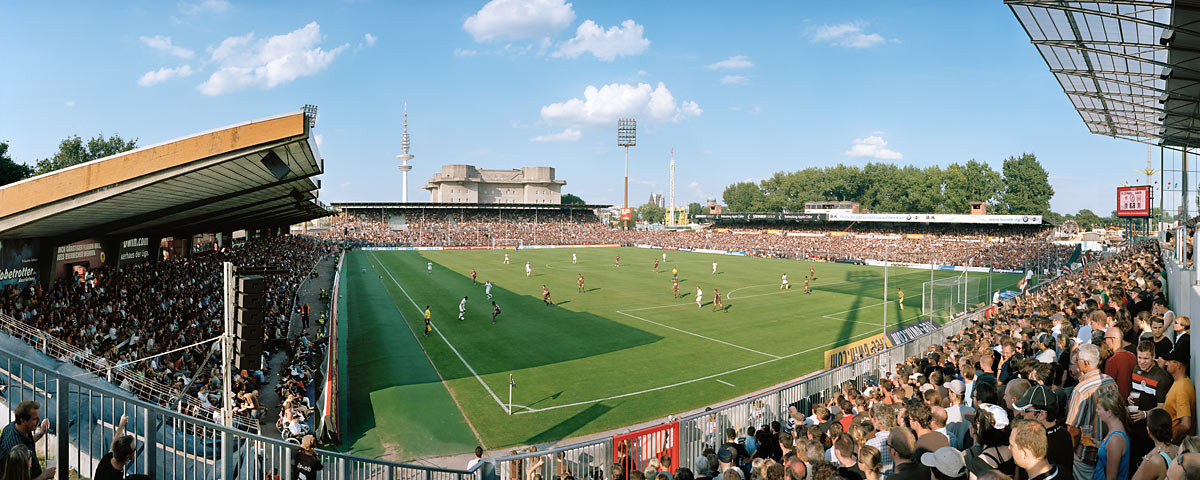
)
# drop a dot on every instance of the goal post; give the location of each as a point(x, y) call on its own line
point(507, 243)
point(945, 298)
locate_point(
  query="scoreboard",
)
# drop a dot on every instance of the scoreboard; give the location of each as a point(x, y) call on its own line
point(1133, 202)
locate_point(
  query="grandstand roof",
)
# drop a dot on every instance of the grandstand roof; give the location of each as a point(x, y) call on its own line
point(1128, 66)
point(257, 174)
point(469, 206)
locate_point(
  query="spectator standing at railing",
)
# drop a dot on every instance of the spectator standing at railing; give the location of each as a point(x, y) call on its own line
point(113, 464)
point(27, 428)
point(1183, 340)
point(306, 464)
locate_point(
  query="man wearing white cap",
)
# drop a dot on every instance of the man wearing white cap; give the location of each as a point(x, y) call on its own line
point(946, 463)
point(957, 413)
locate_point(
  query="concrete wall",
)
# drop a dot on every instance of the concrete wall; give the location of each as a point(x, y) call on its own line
point(1184, 296)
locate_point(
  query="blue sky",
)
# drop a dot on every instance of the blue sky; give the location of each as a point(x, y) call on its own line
point(740, 90)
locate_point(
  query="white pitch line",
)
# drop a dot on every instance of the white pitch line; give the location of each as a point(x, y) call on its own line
point(680, 330)
point(832, 317)
point(439, 332)
point(722, 381)
point(685, 382)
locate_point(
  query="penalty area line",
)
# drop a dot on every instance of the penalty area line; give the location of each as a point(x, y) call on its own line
point(694, 380)
point(722, 381)
point(680, 330)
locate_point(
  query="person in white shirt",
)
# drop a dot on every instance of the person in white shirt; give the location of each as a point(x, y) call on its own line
point(784, 283)
point(477, 459)
point(699, 297)
point(1047, 354)
point(528, 269)
point(429, 267)
point(714, 268)
point(506, 259)
point(573, 258)
point(462, 309)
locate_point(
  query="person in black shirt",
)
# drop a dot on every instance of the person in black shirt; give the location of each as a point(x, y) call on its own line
point(1162, 344)
point(901, 445)
point(1028, 442)
point(1183, 339)
point(112, 464)
point(306, 464)
point(1039, 404)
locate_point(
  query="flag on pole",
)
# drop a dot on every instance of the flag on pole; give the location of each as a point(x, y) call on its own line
point(1025, 281)
point(511, 383)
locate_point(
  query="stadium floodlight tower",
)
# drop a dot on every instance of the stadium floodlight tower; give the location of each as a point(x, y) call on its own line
point(626, 137)
point(404, 156)
point(671, 210)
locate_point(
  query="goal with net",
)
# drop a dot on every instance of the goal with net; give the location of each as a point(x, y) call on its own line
point(947, 297)
point(507, 243)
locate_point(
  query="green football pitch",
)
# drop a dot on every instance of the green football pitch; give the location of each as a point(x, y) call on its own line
point(622, 352)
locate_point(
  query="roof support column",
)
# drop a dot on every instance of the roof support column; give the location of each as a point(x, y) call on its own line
point(225, 239)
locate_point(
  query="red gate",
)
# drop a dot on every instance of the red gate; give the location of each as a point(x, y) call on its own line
point(633, 451)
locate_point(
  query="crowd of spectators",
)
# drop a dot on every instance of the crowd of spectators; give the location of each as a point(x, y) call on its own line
point(1085, 377)
point(155, 320)
point(1012, 247)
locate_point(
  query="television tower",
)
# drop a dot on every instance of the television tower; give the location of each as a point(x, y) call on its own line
point(671, 211)
point(404, 156)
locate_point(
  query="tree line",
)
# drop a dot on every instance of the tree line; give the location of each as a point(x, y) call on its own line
point(1021, 187)
point(71, 151)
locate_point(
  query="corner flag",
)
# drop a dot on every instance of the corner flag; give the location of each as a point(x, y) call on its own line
point(510, 380)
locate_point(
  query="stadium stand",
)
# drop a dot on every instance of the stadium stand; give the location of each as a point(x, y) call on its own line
point(1002, 247)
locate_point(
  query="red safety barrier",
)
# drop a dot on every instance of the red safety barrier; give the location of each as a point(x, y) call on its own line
point(633, 451)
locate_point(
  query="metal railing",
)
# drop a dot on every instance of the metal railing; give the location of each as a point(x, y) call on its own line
point(84, 411)
point(597, 459)
point(127, 376)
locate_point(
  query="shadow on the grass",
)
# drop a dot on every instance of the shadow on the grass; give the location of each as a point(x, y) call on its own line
point(529, 334)
point(571, 425)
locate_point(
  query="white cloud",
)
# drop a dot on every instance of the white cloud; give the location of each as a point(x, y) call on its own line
point(604, 105)
point(642, 73)
point(568, 135)
point(735, 80)
point(266, 63)
point(518, 19)
point(459, 52)
point(70, 104)
point(371, 39)
point(872, 147)
point(735, 62)
point(696, 189)
point(849, 35)
point(214, 6)
point(155, 77)
point(620, 41)
point(164, 45)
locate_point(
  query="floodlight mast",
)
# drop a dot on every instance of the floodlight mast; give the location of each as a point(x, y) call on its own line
point(626, 137)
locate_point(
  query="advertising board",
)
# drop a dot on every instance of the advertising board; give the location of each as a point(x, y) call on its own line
point(18, 262)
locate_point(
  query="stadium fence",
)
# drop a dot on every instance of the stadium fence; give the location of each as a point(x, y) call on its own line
point(83, 409)
point(329, 426)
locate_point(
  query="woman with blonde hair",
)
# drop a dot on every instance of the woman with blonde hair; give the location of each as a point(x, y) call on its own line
point(1113, 459)
point(870, 461)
